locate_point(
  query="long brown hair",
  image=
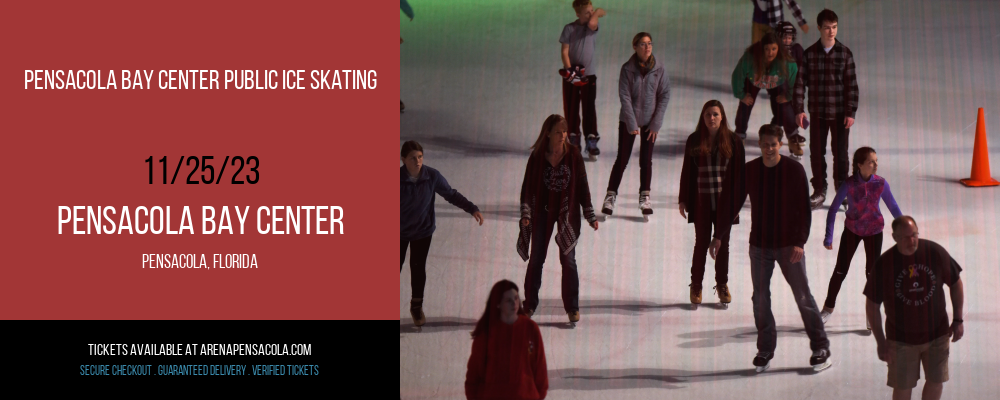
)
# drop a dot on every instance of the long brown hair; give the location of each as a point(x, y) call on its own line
point(760, 65)
point(724, 137)
point(541, 144)
point(492, 311)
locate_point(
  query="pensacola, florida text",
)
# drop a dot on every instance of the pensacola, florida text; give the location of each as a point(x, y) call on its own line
point(276, 220)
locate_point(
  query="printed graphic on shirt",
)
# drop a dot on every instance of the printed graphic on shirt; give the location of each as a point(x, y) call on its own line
point(767, 82)
point(531, 347)
point(915, 285)
point(557, 178)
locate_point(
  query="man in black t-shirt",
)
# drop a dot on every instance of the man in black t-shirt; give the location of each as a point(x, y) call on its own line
point(909, 279)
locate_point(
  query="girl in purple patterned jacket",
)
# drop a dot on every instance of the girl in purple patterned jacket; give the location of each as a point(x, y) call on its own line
point(864, 220)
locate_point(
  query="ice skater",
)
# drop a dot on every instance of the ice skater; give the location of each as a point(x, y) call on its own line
point(553, 194)
point(908, 280)
point(417, 185)
point(711, 152)
point(780, 219)
point(644, 90)
point(828, 73)
point(764, 65)
point(787, 33)
point(863, 222)
point(508, 358)
point(580, 75)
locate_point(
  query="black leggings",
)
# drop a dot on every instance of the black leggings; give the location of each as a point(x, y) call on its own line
point(848, 246)
point(702, 240)
point(626, 140)
point(418, 264)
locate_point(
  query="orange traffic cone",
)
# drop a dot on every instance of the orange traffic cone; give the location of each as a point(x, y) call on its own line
point(980, 158)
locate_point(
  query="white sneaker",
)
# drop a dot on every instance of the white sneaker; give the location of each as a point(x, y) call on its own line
point(645, 206)
point(825, 314)
point(609, 203)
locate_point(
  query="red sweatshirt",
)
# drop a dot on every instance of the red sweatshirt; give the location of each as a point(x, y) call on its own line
point(508, 362)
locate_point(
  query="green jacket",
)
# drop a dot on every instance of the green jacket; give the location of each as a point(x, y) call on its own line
point(771, 80)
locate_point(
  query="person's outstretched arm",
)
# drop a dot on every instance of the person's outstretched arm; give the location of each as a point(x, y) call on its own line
point(831, 216)
point(455, 198)
point(890, 201)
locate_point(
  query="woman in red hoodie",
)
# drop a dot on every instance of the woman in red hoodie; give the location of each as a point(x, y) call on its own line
point(508, 359)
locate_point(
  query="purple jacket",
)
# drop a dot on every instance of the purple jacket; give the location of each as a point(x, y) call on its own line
point(864, 217)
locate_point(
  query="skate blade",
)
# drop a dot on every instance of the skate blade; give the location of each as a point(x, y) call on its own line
point(823, 366)
point(725, 306)
point(592, 158)
point(764, 368)
point(645, 218)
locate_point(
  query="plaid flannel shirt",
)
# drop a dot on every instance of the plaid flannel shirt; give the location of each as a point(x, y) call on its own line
point(711, 170)
point(775, 14)
point(832, 82)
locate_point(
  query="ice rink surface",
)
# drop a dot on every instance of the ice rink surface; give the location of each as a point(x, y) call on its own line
point(478, 79)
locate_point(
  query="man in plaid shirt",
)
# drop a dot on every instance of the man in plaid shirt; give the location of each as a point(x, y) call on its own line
point(828, 72)
point(767, 14)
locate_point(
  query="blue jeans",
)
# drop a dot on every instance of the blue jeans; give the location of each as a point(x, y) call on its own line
point(761, 267)
point(540, 236)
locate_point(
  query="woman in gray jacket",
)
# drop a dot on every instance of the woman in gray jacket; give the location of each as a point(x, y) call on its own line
point(644, 90)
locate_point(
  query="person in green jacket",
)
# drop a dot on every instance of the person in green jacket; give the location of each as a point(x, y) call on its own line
point(765, 65)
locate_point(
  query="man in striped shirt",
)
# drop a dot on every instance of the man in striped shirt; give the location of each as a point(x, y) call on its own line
point(827, 71)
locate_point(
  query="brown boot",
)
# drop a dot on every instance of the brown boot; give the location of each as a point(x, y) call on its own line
point(417, 311)
point(574, 316)
point(695, 294)
point(724, 295)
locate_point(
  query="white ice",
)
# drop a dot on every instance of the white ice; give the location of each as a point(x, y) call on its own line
point(478, 79)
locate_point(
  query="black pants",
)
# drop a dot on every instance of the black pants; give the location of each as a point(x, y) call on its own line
point(572, 97)
point(702, 240)
point(783, 113)
point(848, 246)
point(540, 234)
point(817, 150)
point(418, 264)
point(626, 140)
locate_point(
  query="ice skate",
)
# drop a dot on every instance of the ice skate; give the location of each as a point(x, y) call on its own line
point(695, 294)
point(724, 296)
point(825, 314)
point(417, 312)
point(574, 317)
point(795, 146)
point(820, 360)
point(645, 206)
point(817, 198)
point(592, 149)
point(868, 325)
point(609, 204)
point(763, 361)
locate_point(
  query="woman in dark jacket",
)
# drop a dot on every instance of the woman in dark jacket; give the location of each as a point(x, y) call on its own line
point(554, 192)
point(644, 91)
point(417, 185)
point(711, 152)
